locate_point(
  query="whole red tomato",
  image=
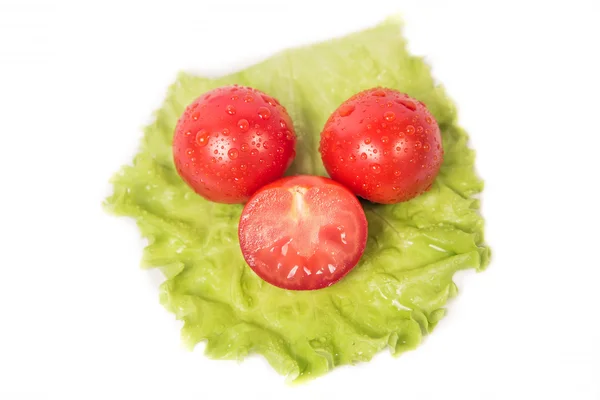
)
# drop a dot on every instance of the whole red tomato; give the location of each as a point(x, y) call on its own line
point(383, 145)
point(231, 141)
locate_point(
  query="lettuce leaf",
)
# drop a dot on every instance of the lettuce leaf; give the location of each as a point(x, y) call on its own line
point(396, 294)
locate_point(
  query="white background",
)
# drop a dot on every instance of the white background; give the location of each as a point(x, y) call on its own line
point(79, 319)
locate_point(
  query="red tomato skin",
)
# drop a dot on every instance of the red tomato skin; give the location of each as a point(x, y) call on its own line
point(383, 145)
point(249, 230)
point(231, 141)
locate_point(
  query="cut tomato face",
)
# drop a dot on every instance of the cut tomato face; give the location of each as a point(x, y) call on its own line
point(303, 232)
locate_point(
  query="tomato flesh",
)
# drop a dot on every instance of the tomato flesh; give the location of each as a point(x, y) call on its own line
point(303, 232)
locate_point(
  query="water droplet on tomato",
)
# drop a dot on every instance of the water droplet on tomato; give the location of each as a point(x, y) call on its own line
point(288, 135)
point(428, 120)
point(232, 153)
point(248, 98)
point(196, 115)
point(243, 167)
point(266, 144)
point(280, 150)
point(389, 116)
point(363, 156)
point(374, 151)
point(418, 144)
point(225, 132)
point(346, 110)
point(216, 151)
point(407, 103)
point(419, 129)
point(282, 124)
point(188, 133)
point(376, 168)
point(426, 147)
point(378, 93)
point(230, 110)
point(264, 113)
point(269, 100)
point(369, 126)
point(202, 138)
point(367, 140)
point(261, 161)
point(352, 157)
point(189, 152)
point(397, 172)
point(243, 125)
point(410, 129)
point(253, 152)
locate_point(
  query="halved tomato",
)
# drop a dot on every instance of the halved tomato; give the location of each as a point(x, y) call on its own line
point(303, 232)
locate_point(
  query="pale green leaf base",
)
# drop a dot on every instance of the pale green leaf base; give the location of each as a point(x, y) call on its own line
point(397, 293)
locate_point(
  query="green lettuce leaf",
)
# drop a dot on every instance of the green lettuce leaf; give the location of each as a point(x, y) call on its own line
point(396, 294)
